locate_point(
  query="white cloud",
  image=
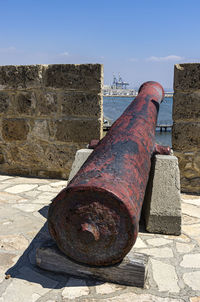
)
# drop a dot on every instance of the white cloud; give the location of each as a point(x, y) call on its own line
point(165, 59)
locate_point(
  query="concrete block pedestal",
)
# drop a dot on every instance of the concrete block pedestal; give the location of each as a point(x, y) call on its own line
point(162, 203)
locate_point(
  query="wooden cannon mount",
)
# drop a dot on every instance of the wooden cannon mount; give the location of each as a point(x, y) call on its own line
point(95, 219)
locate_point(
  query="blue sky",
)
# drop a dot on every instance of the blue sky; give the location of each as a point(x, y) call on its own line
point(141, 40)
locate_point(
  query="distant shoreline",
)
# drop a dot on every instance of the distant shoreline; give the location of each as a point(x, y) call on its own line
point(167, 95)
point(120, 96)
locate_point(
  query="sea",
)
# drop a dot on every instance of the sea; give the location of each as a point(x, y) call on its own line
point(113, 107)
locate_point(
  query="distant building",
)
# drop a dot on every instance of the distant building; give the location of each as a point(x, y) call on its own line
point(119, 84)
point(118, 88)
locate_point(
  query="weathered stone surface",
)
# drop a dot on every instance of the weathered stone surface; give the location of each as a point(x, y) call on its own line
point(6, 261)
point(186, 106)
point(163, 252)
point(186, 116)
point(2, 155)
point(189, 164)
point(185, 135)
point(76, 77)
point(191, 199)
point(132, 297)
point(81, 104)
point(13, 242)
point(23, 180)
point(165, 276)
point(191, 210)
point(191, 260)
point(59, 157)
point(48, 188)
point(75, 288)
point(190, 185)
point(6, 197)
point(139, 244)
point(5, 100)
point(20, 155)
point(25, 103)
point(158, 241)
point(28, 291)
point(184, 248)
point(20, 188)
point(43, 159)
point(193, 230)
point(76, 130)
point(14, 129)
point(40, 131)
point(43, 198)
point(107, 288)
point(195, 299)
point(162, 204)
point(27, 207)
point(49, 111)
point(18, 77)
point(187, 77)
point(186, 219)
point(192, 280)
point(47, 103)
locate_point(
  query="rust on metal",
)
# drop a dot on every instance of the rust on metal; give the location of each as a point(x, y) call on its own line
point(95, 219)
point(164, 150)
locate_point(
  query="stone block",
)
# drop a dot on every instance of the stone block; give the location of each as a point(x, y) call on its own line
point(20, 77)
point(2, 158)
point(190, 185)
point(185, 135)
point(48, 159)
point(81, 77)
point(15, 170)
point(78, 130)
point(5, 100)
point(186, 106)
point(14, 129)
point(189, 163)
point(39, 131)
point(81, 104)
point(80, 158)
point(162, 203)
point(47, 103)
point(187, 77)
point(25, 103)
point(60, 156)
point(21, 154)
point(44, 104)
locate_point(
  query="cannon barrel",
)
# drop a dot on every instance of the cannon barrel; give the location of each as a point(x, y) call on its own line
point(95, 219)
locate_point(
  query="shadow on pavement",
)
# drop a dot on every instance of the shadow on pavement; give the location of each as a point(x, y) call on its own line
point(26, 268)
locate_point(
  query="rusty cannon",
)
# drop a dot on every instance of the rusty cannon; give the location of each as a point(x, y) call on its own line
point(95, 219)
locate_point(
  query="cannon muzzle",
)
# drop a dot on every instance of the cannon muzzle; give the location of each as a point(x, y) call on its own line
point(95, 219)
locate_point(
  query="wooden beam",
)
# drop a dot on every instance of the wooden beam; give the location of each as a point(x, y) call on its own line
point(131, 271)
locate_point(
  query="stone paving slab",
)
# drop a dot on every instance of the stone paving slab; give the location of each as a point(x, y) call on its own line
point(174, 272)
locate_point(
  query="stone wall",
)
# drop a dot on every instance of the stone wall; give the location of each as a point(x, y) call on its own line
point(47, 113)
point(186, 128)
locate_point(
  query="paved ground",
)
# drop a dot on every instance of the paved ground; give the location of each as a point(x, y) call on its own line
point(174, 273)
